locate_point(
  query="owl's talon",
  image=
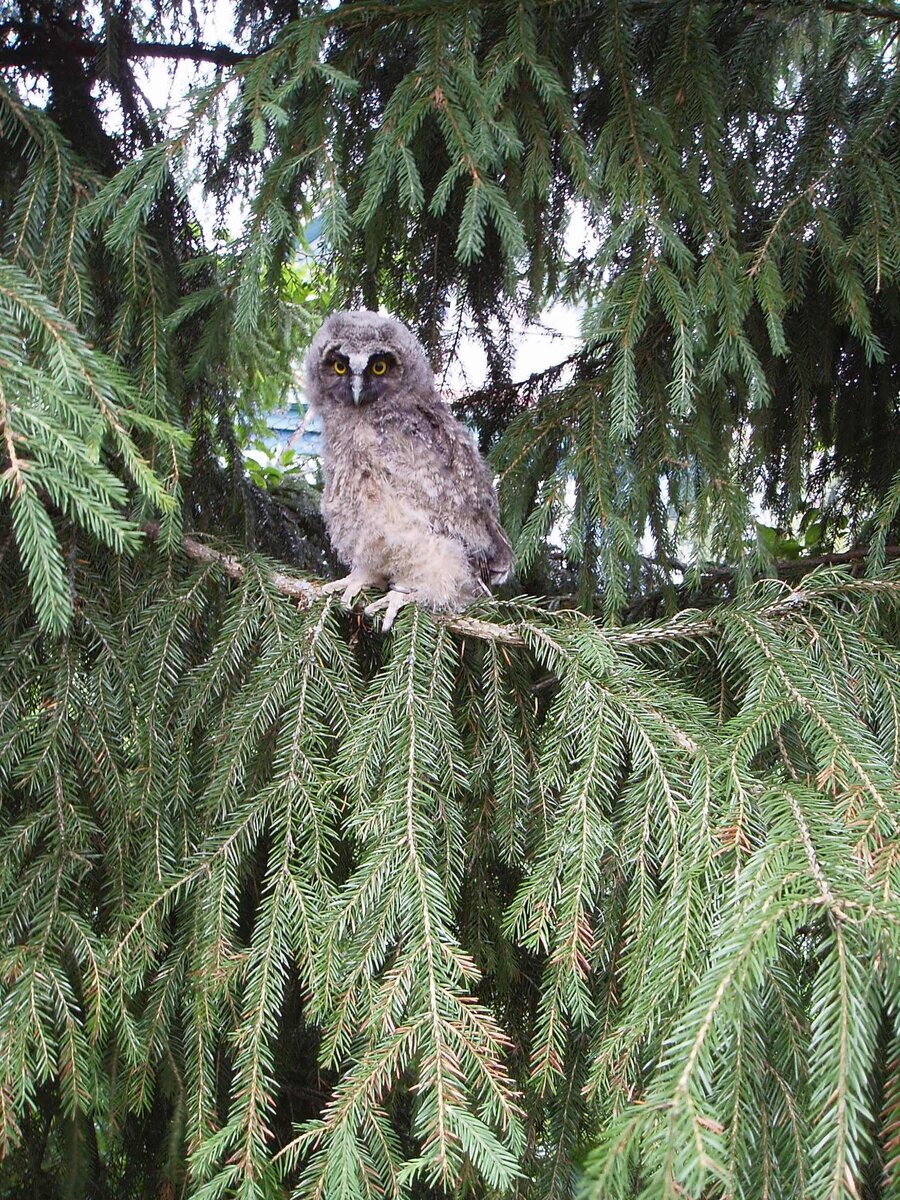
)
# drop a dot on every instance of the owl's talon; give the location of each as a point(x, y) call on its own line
point(328, 589)
point(351, 585)
point(391, 602)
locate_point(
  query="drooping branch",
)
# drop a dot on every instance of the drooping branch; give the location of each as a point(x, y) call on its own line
point(880, 12)
point(39, 46)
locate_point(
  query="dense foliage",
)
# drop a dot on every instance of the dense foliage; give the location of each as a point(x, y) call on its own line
point(524, 901)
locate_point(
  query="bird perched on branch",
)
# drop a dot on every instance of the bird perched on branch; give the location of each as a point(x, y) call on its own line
point(409, 503)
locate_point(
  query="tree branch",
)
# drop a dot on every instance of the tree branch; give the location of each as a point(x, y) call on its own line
point(881, 12)
point(39, 48)
point(307, 593)
point(784, 568)
point(41, 45)
point(677, 629)
point(219, 55)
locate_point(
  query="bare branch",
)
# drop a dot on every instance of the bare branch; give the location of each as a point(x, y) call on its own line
point(37, 50)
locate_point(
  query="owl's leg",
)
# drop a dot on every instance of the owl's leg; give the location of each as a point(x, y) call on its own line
point(351, 585)
point(391, 602)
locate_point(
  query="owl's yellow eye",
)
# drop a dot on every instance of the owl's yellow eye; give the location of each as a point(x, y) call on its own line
point(340, 368)
point(379, 366)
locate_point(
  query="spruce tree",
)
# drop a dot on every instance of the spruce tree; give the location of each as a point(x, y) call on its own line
point(591, 890)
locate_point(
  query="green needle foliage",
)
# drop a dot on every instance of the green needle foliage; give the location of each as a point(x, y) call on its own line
point(296, 919)
point(539, 901)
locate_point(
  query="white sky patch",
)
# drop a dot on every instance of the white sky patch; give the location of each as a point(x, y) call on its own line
point(537, 345)
point(166, 83)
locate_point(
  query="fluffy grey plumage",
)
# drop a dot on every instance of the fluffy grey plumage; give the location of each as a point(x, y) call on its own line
point(409, 503)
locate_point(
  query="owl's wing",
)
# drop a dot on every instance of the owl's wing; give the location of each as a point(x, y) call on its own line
point(447, 479)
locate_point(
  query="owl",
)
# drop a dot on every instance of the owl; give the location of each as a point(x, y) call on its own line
point(409, 503)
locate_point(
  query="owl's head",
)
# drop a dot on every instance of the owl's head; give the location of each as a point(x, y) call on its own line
point(361, 358)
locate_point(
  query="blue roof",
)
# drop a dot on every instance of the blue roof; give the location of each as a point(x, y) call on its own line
point(294, 427)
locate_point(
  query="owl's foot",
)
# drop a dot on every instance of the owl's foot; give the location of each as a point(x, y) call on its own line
point(391, 602)
point(351, 585)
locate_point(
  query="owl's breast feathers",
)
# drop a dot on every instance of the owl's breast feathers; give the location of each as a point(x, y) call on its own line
point(405, 471)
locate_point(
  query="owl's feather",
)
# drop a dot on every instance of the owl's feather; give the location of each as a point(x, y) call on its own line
point(409, 502)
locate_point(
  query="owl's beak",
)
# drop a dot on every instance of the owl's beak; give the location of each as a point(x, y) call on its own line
point(356, 383)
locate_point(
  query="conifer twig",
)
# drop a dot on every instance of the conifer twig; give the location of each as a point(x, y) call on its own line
point(288, 585)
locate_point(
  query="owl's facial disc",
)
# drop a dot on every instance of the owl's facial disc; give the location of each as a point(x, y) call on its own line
point(359, 377)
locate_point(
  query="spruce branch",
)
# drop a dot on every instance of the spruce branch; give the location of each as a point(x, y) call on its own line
point(676, 629)
point(782, 569)
point(40, 47)
point(858, 8)
point(296, 911)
